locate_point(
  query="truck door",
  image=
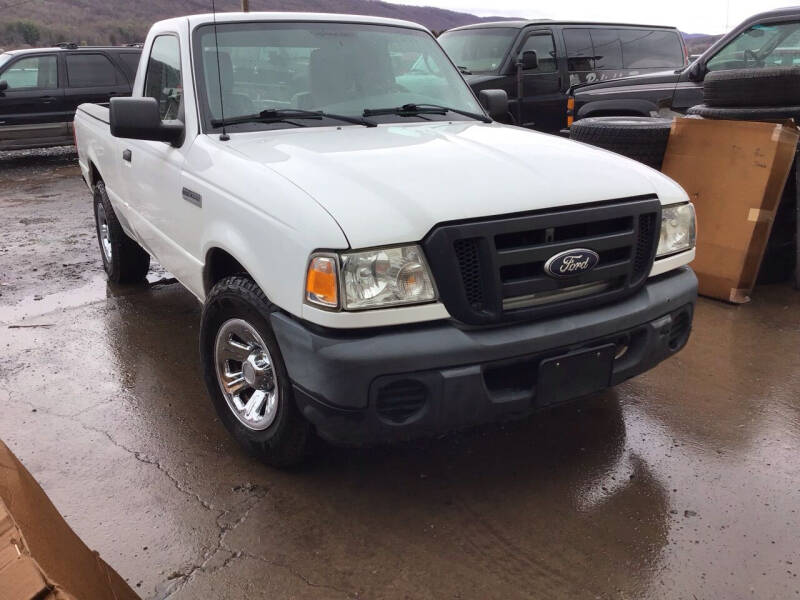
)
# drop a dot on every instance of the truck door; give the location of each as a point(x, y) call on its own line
point(168, 224)
point(543, 104)
point(31, 105)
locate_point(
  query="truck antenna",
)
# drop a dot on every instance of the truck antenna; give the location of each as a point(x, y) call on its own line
point(224, 137)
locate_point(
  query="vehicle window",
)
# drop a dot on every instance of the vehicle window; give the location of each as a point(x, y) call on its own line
point(543, 45)
point(340, 68)
point(130, 63)
point(163, 76)
point(760, 46)
point(607, 49)
point(580, 55)
point(4, 58)
point(479, 50)
point(90, 70)
point(651, 49)
point(35, 72)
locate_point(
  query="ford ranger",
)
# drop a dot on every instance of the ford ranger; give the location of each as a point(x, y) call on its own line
point(377, 258)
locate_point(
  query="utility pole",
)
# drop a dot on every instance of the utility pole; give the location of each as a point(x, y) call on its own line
point(245, 5)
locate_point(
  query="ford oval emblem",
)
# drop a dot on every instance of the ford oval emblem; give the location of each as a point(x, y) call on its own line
point(571, 263)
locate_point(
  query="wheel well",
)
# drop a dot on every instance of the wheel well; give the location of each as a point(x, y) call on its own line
point(219, 264)
point(94, 174)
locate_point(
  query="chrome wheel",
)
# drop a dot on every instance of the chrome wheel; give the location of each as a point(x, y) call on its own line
point(103, 231)
point(246, 375)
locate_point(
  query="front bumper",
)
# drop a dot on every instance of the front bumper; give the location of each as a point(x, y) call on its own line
point(366, 387)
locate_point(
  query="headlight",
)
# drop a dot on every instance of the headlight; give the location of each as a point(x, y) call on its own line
point(385, 277)
point(677, 229)
point(369, 279)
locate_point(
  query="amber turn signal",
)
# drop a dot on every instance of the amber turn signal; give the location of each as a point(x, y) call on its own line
point(321, 282)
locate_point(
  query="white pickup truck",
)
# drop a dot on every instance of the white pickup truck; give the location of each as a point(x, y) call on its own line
point(376, 257)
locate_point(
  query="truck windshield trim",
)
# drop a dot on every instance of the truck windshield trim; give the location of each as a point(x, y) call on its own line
point(338, 69)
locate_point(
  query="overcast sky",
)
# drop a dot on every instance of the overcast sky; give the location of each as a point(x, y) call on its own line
point(691, 16)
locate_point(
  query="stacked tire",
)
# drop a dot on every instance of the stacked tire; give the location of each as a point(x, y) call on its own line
point(766, 94)
point(641, 138)
point(751, 94)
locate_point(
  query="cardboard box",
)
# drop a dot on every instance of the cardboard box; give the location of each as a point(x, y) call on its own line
point(734, 173)
point(41, 558)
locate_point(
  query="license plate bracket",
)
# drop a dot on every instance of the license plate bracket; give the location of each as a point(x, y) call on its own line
point(574, 374)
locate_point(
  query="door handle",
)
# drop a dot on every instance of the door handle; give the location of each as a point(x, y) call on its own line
point(47, 99)
point(127, 155)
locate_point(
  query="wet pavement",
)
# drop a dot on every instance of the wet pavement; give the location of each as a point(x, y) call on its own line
point(682, 483)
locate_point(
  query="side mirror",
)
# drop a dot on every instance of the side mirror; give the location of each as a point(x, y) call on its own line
point(696, 72)
point(495, 102)
point(528, 60)
point(3, 85)
point(139, 119)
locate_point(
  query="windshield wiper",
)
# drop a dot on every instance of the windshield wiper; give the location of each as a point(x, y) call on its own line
point(409, 110)
point(287, 115)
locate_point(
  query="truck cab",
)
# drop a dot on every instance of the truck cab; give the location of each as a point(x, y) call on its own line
point(536, 62)
point(377, 258)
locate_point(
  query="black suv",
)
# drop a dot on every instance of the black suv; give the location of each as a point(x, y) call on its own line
point(769, 39)
point(538, 61)
point(40, 88)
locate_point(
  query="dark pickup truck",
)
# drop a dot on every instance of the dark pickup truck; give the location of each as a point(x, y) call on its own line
point(536, 62)
point(769, 39)
point(40, 89)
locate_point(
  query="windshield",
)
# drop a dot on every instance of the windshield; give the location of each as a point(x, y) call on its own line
point(4, 58)
point(760, 46)
point(338, 68)
point(479, 50)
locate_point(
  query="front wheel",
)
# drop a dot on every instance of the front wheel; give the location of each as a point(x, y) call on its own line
point(245, 373)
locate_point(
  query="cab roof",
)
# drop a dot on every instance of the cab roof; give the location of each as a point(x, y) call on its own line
point(293, 17)
point(519, 24)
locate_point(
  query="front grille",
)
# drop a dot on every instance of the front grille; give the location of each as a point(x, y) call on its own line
point(493, 270)
point(470, 268)
point(643, 258)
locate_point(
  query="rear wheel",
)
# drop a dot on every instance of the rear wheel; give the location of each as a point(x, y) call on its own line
point(641, 138)
point(123, 259)
point(246, 376)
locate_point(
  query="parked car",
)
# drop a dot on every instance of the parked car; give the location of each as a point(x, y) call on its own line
point(377, 261)
point(538, 61)
point(40, 89)
point(769, 39)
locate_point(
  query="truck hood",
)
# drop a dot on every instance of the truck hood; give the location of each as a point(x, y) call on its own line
point(393, 183)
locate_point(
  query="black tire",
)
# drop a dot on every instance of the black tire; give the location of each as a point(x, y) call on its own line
point(641, 138)
point(771, 86)
point(128, 262)
point(283, 443)
point(760, 113)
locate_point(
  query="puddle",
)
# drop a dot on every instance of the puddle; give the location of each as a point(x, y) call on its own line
point(95, 290)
